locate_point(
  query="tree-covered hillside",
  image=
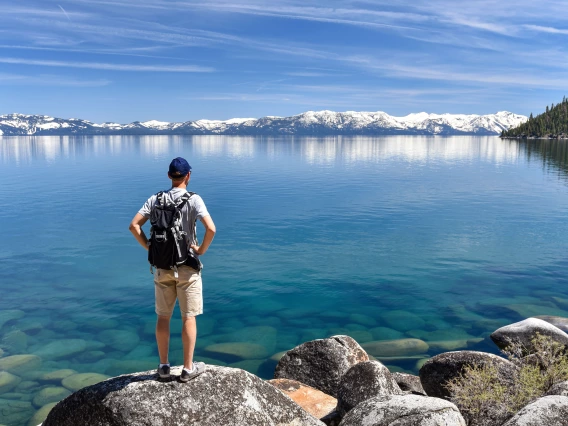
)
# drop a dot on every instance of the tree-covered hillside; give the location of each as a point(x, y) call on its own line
point(552, 123)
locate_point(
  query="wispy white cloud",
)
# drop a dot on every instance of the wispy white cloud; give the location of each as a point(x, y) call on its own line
point(107, 66)
point(550, 30)
point(309, 74)
point(50, 80)
point(47, 12)
point(115, 52)
point(65, 12)
point(505, 77)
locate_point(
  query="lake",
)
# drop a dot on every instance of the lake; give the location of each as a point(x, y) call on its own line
point(441, 239)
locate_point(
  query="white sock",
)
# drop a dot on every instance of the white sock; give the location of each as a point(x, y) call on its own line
point(162, 365)
point(190, 370)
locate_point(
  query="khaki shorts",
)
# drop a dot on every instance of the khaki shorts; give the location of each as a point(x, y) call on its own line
point(186, 288)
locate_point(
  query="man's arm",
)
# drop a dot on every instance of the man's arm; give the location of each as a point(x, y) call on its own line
point(136, 229)
point(209, 234)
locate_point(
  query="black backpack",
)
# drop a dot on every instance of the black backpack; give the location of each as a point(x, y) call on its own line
point(168, 246)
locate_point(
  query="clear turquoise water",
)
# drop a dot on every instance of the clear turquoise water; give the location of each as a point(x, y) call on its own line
point(442, 239)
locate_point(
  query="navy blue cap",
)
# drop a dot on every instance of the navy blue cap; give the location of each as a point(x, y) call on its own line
point(179, 168)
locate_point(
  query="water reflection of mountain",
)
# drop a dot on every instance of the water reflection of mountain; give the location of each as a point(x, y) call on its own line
point(315, 150)
point(552, 153)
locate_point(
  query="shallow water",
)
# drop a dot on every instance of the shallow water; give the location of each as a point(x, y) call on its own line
point(437, 239)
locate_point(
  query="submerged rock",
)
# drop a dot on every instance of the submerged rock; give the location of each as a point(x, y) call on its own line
point(363, 319)
point(15, 412)
point(57, 375)
point(205, 325)
point(360, 336)
point(545, 411)
point(18, 364)
point(250, 365)
point(404, 410)
point(81, 380)
point(438, 370)
point(239, 350)
point(41, 414)
point(15, 341)
point(27, 386)
point(10, 315)
point(278, 356)
point(8, 382)
point(400, 347)
point(121, 340)
point(315, 402)
point(64, 326)
point(385, 333)
point(364, 381)
point(141, 351)
point(219, 396)
point(61, 348)
point(124, 366)
point(321, 363)
point(451, 345)
point(30, 326)
point(49, 395)
point(261, 335)
point(402, 320)
point(527, 310)
point(90, 356)
point(525, 331)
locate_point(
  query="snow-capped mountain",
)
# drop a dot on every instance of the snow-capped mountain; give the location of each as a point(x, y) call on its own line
point(307, 123)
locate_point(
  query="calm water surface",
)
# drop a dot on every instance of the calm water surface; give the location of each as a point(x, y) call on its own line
point(437, 239)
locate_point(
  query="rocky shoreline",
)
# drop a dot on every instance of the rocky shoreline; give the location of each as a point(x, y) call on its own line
point(331, 381)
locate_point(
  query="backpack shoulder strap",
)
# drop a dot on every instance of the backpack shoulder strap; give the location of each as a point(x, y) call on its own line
point(159, 196)
point(180, 202)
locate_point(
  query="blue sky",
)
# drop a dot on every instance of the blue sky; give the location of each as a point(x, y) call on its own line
point(123, 60)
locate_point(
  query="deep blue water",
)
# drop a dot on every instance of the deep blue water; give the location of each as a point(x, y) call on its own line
point(441, 239)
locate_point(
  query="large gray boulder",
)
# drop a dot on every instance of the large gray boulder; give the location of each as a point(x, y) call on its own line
point(321, 363)
point(404, 410)
point(409, 383)
point(524, 332)
point(559, 389)
point(219, 396)
point(438, 370)
point(546, 411)
point(364, 381)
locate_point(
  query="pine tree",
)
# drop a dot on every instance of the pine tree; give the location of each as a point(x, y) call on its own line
point(553, 121)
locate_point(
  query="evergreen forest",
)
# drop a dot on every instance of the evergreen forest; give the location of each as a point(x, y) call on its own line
point(551, 123)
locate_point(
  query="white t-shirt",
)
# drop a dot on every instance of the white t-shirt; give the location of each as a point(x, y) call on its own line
point(191, 212)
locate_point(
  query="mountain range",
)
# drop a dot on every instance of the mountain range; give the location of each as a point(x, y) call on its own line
point(316, 123)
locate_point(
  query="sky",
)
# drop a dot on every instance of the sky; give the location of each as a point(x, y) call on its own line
point(128, 60)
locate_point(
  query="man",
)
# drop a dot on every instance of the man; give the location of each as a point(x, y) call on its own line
point(183, 282)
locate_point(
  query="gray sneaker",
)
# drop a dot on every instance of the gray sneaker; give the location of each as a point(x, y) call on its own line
point(164, 371)
point(186, 376)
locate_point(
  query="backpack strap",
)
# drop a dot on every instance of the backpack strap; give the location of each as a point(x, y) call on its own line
point(159, 197)
point(180, 202)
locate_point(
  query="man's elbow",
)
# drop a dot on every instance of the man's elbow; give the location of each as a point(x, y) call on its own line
point(211, 228)
point(132, 227)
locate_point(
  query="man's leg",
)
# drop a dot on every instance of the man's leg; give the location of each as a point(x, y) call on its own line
point(191, 304)
point(165, 291)
point(188, 337)
point(163, 337)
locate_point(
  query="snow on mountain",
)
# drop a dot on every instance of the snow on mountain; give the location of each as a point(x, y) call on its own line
point(307, 123)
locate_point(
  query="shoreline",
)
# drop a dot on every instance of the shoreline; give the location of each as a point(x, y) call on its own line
point(550, 137)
